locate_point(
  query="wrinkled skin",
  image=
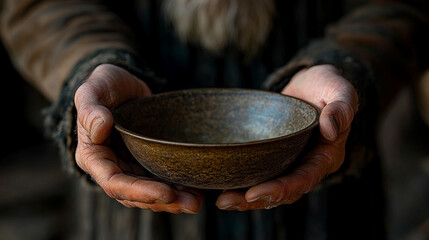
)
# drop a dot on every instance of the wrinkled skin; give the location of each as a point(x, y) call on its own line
point(128, 183)
point(337, 100)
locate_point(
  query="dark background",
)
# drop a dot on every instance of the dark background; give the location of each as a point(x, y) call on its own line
point(35, 195)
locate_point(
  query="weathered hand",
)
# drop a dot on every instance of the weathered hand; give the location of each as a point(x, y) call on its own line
point(337, 100)
point(122, 179)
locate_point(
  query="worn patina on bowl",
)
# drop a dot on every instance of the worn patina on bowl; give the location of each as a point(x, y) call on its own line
point(216, 138)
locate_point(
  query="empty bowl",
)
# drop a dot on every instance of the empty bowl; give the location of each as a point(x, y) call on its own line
point(216, 138)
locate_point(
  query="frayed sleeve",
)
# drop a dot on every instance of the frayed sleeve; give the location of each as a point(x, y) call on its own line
point(60, 118)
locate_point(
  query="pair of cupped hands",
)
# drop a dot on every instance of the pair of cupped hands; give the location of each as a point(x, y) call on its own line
point(128, 183)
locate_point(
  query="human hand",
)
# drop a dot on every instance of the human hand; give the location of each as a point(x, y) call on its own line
point(337, 100)
point(121, 178)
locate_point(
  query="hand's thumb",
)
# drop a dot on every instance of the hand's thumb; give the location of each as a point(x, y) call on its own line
point(97, 120)
point(335, 118)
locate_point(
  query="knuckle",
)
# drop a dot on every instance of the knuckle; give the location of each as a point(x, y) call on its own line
point(327, 162)
point(110, 192)
point(86, 116)
point(307, 181)
point(303, 174)
point(282, 186)
point(335, 166)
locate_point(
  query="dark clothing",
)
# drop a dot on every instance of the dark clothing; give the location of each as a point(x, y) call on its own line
point(56, 44)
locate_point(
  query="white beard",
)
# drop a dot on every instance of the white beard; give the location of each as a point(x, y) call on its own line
point(216, 24)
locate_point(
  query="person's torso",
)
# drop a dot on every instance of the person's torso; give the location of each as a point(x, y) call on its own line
point(187, 65)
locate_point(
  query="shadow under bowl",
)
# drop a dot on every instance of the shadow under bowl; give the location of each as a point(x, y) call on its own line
point(216, 138)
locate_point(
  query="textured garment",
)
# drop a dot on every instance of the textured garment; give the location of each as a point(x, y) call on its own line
point(56, 44)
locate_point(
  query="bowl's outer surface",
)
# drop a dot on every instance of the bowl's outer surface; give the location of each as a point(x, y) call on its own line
point(223, 164)
point(220, 167)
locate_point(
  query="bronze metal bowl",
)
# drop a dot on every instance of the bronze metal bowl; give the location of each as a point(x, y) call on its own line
point(216, 138)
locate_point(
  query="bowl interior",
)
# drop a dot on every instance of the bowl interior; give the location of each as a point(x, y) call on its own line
point(215, 116)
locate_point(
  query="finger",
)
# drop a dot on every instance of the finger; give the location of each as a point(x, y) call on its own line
point(101, 163)
point(185, 203)
point(335, 118)
point(95, 122)
point(110, 86)
point(335, 97)
point(192, 191)
point(323, 160)
point(235, 200)
point(230, 200)
point(100, 93)
point(126, 187)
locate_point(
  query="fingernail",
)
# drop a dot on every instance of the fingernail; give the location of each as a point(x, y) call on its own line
point(188, 211)
point(229, 207)
point(335, 126)
point(265, 198)
point(254, 199)
point(224, 207)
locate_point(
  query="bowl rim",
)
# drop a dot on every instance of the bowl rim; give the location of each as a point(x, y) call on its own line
point(122, 129)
